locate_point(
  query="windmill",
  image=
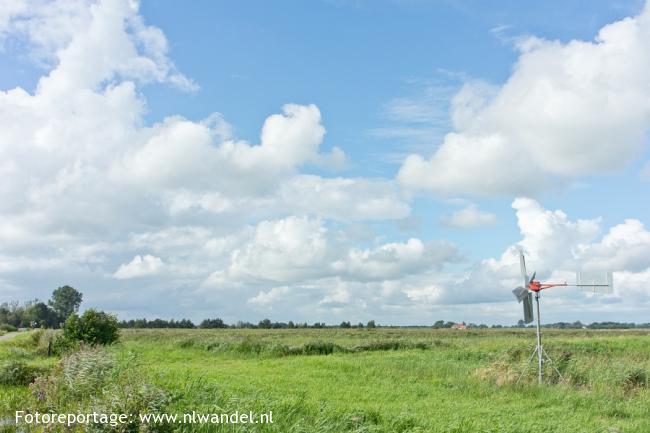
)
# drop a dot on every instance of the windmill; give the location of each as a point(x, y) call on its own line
point(524, 294)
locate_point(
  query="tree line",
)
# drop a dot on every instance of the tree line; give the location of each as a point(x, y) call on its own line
point(440, 324)
point(92, 327)
point(219, 323)
point(64, 302)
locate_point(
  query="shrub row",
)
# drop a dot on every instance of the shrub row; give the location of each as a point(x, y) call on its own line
point(259, 347)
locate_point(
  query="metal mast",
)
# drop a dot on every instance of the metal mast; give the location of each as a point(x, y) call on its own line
point(540, 358)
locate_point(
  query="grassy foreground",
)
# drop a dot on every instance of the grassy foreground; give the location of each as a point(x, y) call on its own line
point(386, 380)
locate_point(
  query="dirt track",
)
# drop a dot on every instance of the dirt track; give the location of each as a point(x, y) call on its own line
point(9, 336)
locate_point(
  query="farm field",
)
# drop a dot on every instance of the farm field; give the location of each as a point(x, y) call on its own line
point(385, 379)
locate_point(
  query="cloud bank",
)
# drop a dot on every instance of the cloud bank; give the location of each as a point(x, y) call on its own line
point(568, 109)
point(180, 217)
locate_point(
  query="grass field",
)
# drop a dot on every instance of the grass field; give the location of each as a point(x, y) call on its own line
point(386, 380)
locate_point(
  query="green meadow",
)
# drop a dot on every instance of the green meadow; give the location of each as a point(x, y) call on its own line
point(371, 380)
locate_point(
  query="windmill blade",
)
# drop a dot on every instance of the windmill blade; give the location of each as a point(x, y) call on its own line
point(520, 293)
point(528, 308)
point(533, 277)
point(523, 295)
point(522, 267)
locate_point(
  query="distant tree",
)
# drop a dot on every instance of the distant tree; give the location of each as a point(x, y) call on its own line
point(371, 324)
point(291, 324)
point(264, 324)
point(279, 325)
point(521, 323)
point(93, 327)
point(241, 324)
point(213, 323)
point(12, 313)
point(186, 324)
point(38, 314)
point(359, 325)
point(158, 323)
point(439, 324)
point(65, 301)
point(345, 324)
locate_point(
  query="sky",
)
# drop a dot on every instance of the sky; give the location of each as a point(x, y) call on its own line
point(326, 160)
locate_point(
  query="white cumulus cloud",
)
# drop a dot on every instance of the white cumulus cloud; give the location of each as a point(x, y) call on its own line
point(267, 298)
point(568, 109)
point(140, 266)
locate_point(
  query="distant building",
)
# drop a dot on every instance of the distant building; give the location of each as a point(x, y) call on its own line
point(459, 326)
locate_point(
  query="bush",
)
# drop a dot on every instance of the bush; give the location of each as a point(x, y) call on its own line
point(46, 342)
point(61, 345)
point(86, 370)
point(319, 348)
point(93, 327)
point(18, 373)
point(91, 380)
point(635, 378)
point(35, 337)
point(8, 328)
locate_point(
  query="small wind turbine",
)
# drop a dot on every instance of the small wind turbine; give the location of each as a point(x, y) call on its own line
point(525, 294)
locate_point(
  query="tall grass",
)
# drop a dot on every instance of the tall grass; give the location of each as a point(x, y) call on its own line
point(381, 380)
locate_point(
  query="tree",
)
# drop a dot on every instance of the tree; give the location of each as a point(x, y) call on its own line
point(93, 327)
point(264, 324)
point(345, 325)
point(40, 315)
point(186, 324)
point(371, 324)
point(65, 301)
point(12, 313)
point(213, 323)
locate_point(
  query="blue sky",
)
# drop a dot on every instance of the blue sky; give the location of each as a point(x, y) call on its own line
point(409, 226)
point(353, 58)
